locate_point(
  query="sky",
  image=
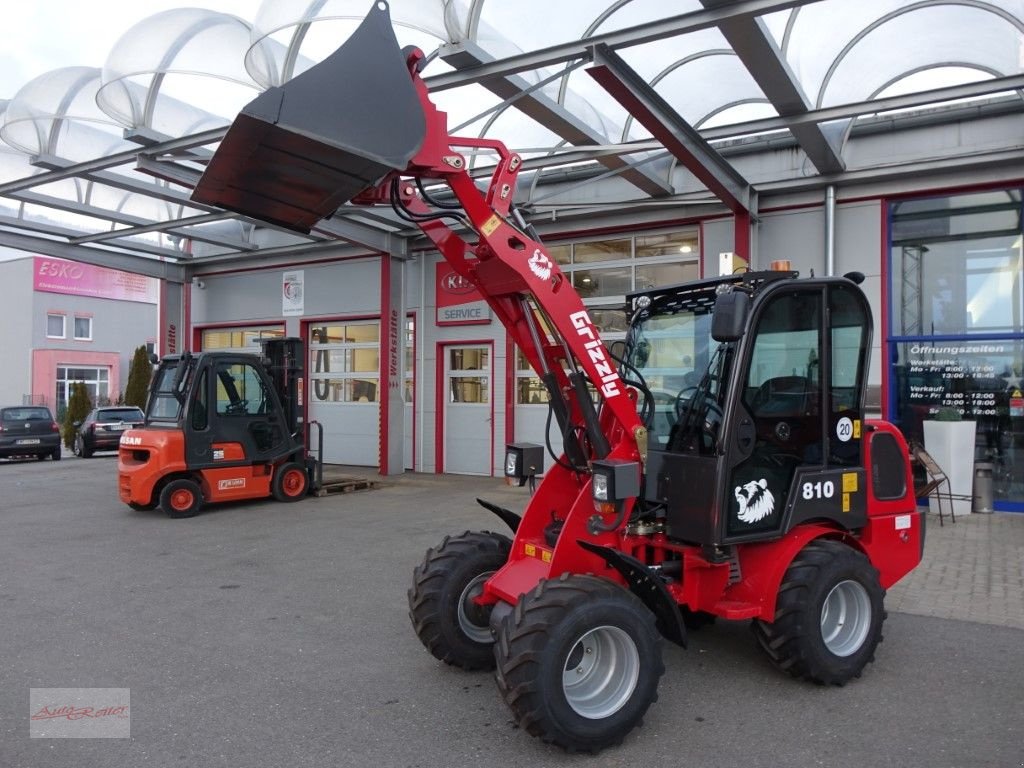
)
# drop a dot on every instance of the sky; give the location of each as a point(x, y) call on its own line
point(40, 35)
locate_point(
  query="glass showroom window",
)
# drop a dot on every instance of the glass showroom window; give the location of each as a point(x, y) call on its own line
point(956, 341)
point(239, 339)
point(410, 359)
point(96, 380)
point(83, 328)
point(603, 272)
point(55, 326)
point(344, 364)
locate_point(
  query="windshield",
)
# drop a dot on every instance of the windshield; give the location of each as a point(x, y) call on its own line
point(164, 404)
point(119, 414)
point(26, 414)
point(672, 352)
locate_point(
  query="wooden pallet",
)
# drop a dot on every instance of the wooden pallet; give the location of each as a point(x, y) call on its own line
point(345, 485)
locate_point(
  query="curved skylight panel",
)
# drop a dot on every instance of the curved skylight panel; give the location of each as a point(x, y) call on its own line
point(808, 51)
point(178, 71)
point(469, 102)
point(704, 85)
point(13, 163)
point(933, 36)
point(521, 133)
point(289, 36)
point(55, 114)
point(923, 80)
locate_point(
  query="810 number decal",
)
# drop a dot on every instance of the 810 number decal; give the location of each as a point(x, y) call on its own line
point(819, 490)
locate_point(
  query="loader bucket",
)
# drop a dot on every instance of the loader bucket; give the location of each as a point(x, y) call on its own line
point(298, 151)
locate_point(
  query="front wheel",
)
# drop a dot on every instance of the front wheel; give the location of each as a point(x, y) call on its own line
point(290, 482)
point(441, 600)
point(579, 662)
point(828, 616)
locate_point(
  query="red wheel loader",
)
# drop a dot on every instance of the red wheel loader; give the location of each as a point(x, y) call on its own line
point(758, 492)
point(220, 426)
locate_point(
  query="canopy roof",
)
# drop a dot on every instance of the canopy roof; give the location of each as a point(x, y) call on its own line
point(97, 162)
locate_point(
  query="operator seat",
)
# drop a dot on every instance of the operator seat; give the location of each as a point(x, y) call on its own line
point(783, 396)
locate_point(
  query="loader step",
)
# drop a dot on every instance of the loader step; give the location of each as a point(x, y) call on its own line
point(345, 485)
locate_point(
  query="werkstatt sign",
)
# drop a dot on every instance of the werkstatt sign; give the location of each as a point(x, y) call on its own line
point(458, 300)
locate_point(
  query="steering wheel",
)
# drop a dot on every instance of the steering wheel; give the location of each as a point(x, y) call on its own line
point(682, 401)
point(705, 424)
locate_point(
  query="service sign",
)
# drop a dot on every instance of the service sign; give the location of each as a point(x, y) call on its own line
point(458, 300)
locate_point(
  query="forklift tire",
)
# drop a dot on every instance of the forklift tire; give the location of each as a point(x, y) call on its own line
point(447, 622)
point(578, 662)
point(290, 482)
point(828, 616)
point(181, 498)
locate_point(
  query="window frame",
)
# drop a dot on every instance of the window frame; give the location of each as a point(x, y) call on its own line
point(63, 325)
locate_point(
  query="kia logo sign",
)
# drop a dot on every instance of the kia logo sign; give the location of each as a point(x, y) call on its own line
point(456, 284)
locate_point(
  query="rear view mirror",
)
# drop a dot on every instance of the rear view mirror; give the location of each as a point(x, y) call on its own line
point(729, 320)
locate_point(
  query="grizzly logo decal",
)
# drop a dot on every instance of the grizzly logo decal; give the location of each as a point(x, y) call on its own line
point(756, 502)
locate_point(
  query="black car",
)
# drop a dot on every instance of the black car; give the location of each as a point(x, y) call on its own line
point(102, 428)
point(29, 430)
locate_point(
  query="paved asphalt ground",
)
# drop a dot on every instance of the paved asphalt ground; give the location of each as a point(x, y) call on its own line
point(267, 634)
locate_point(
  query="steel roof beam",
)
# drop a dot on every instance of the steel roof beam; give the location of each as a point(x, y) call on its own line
point(755, 47)
point(620, 38)
point(553, 116)
point(668, 127)
point(119, 217)
point(163, 270)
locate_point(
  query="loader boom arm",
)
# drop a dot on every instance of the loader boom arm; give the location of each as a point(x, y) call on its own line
point(525, 288)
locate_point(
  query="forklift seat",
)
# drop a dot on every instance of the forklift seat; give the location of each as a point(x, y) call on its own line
point(783, 396)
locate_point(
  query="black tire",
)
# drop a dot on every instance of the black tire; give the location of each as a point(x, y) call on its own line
point(551, 676)
point(828, 616)
point(181, 498)
point(290, 482)
point(448, 624)
point(56, 454)
point(81, 449)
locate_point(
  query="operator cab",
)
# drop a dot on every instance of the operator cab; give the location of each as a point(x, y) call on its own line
point(220, 399)
point(769, 435)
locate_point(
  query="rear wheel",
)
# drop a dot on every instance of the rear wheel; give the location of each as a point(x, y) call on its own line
point(828, 616)
point(290, 482)
point(578, 662)
point(181, 498)
point(447, 621)
point(56, 454)
point(81, 449)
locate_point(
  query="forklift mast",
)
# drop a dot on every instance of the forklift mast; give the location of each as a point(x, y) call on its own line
point(284, 362)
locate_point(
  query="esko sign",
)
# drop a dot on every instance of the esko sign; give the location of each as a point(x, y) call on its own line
point(458, 300)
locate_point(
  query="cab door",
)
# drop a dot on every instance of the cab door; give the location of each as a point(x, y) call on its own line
point(246, 411)
point(795, 454)
point(781, 398)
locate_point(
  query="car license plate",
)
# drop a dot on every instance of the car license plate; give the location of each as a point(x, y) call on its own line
point(29, 441)
point(118, 427)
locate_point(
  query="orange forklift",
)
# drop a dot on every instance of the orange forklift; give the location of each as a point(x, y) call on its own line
point(220, 426)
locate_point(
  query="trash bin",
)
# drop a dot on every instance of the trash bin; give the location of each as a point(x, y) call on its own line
point(982, 487)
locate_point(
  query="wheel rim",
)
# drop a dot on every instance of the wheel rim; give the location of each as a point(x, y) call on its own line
point(601, 672)
point(293, 482)
point(181, 499)
point(846, 618)
point(474, 620)
point(78, 447)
